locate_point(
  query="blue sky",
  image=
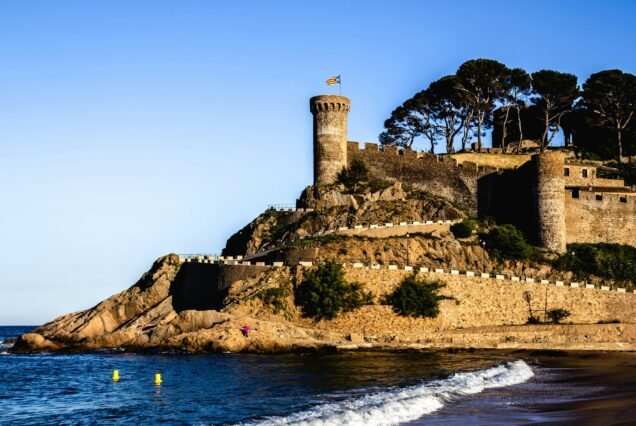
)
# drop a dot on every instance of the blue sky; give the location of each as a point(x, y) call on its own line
point(129, 130)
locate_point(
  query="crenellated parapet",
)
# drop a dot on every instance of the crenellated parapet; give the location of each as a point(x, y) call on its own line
point(329, 103)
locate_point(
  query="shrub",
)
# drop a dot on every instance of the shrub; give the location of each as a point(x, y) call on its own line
point(417, 298)
point(556, 315)
point(463, 229)
point(507, 242)
point(357, 178)
point(612, 261)
point(324, 293)
point(355, 175)
point(533, 319)
point(275, 297)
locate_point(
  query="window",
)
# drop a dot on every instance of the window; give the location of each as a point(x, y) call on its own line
point(599, 197)
point(584, 173)
point(623, 199)
point(575, 193)
point(566, 172)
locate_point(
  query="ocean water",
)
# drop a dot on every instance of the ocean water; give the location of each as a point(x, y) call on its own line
point(365, 388)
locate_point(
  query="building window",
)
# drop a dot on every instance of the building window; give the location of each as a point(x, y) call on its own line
point(584, 173)
point(623, 199)
point(599, 197)
point(575, 193)
point(566, 172)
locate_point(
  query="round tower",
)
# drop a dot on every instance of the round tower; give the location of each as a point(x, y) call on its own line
point(330, 136)
point(549, 200)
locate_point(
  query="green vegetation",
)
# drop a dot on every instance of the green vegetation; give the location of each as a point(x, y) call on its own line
point(556, 315)
point(507, 242)
point(611, 261)
point(463, 229)
point(417, 297)
point(324, 293)
point(533, 319)
point(597, 120)
point(276, 297)
point(357, 178)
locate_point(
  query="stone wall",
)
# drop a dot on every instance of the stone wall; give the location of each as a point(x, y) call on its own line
point(528, 194)
point(483, 302)
point(586, 175)
point(500, 161)
point(600, 217)
point(436, 174)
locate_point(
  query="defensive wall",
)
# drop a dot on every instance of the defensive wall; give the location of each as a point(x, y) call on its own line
point(551, 201)
point(600, 217)
point(439, 175)
point(482, 298)
point(482, 302)
point(587, 175)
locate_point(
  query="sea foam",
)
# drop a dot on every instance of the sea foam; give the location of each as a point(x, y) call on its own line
point(405, 404)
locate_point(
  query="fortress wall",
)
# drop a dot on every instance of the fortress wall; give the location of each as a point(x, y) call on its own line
point(436, 174)
point(484, 302)
point(611, 219)
point(501, 161)
point(574, 176)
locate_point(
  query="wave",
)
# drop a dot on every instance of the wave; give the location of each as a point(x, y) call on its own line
point(400, 405)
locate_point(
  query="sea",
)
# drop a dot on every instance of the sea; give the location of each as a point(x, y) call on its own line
point(346, 388)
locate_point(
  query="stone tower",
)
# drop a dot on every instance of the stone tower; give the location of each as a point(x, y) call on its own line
point(549, 200)
point(330, 136)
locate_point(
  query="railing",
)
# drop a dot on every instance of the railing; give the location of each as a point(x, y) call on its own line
point(281, 206)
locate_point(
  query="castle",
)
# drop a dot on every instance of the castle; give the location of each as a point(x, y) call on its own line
point(555, 200)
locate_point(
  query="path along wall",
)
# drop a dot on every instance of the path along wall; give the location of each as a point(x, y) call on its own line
point(600, 217)
point(482, 302)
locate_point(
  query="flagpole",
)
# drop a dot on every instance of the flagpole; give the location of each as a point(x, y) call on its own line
point(340, 84)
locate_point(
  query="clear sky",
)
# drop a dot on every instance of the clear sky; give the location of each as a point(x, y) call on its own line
point(132, 129)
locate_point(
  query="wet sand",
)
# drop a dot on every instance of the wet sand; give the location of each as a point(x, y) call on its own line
point(582, 388)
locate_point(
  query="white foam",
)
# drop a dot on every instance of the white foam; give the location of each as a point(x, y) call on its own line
point(400, 405)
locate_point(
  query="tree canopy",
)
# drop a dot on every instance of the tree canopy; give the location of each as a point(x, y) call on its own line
point(598, 118)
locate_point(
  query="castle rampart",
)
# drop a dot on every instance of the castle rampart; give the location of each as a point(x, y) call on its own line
point(437, 174)
point(330, 136)
point(600, 217)
point(587, 175)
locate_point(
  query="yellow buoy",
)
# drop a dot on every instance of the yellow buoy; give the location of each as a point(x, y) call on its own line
point(115, 375)
point(157, 379)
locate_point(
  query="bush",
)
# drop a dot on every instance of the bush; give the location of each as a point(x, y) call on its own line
point(354, 175)
point(324, 293)
point(533, 319)
point(417, 298)
point(612, 261)
point(357, 177)
point(556, 315)
point(275, 297)
point(507, 242)
point(463, 229)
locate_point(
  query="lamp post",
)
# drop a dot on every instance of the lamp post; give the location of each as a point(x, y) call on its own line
point(407, 248)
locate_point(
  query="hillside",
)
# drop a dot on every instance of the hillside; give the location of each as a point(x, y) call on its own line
point(383, 236)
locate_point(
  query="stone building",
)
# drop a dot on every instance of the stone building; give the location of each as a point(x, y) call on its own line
point(553, 200)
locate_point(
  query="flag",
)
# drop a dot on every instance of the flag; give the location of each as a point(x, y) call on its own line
point(333, 80)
